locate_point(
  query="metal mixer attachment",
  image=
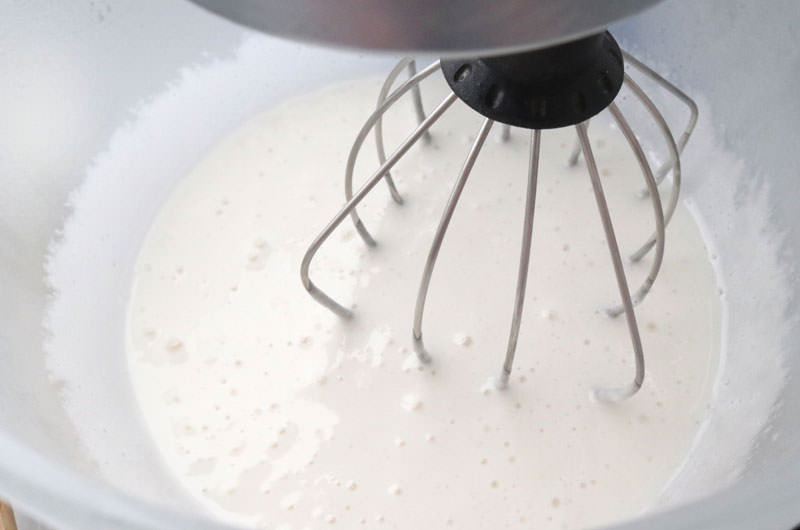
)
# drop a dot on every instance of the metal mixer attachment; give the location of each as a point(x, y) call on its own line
point(560, 86)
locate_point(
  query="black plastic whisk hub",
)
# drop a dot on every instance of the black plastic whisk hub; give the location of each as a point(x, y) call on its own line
point(548, 88)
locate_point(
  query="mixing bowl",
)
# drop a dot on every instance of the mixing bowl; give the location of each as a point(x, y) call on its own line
point(109, 91)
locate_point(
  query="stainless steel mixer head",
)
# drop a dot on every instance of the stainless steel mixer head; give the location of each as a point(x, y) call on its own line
point(445, 27)
point(460, 74)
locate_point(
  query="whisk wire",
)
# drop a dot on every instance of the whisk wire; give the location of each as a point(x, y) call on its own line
point(658, 211)
point(409, 64)
point(524, 258)
point(675, 163)
point(613, 395)
point(404, 64)
point(354, 200)
point(416, 96)
point(661, 81)
point(374, 118)
point(436, 245)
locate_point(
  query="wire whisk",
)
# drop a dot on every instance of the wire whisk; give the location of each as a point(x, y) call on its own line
point(498, 104)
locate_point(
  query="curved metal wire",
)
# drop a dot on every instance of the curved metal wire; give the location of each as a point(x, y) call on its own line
point(524, 258)
point(318, 294)
point(359, 141)
point(662, 171)
point(665, 168)
point(416, 97)
point(387, 85)
point(406, 63)
point(611, 395)
point(658, 212)
point(675, 164)
point(436, 245)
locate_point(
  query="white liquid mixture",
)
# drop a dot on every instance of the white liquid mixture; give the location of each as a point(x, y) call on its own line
point(278, 414)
